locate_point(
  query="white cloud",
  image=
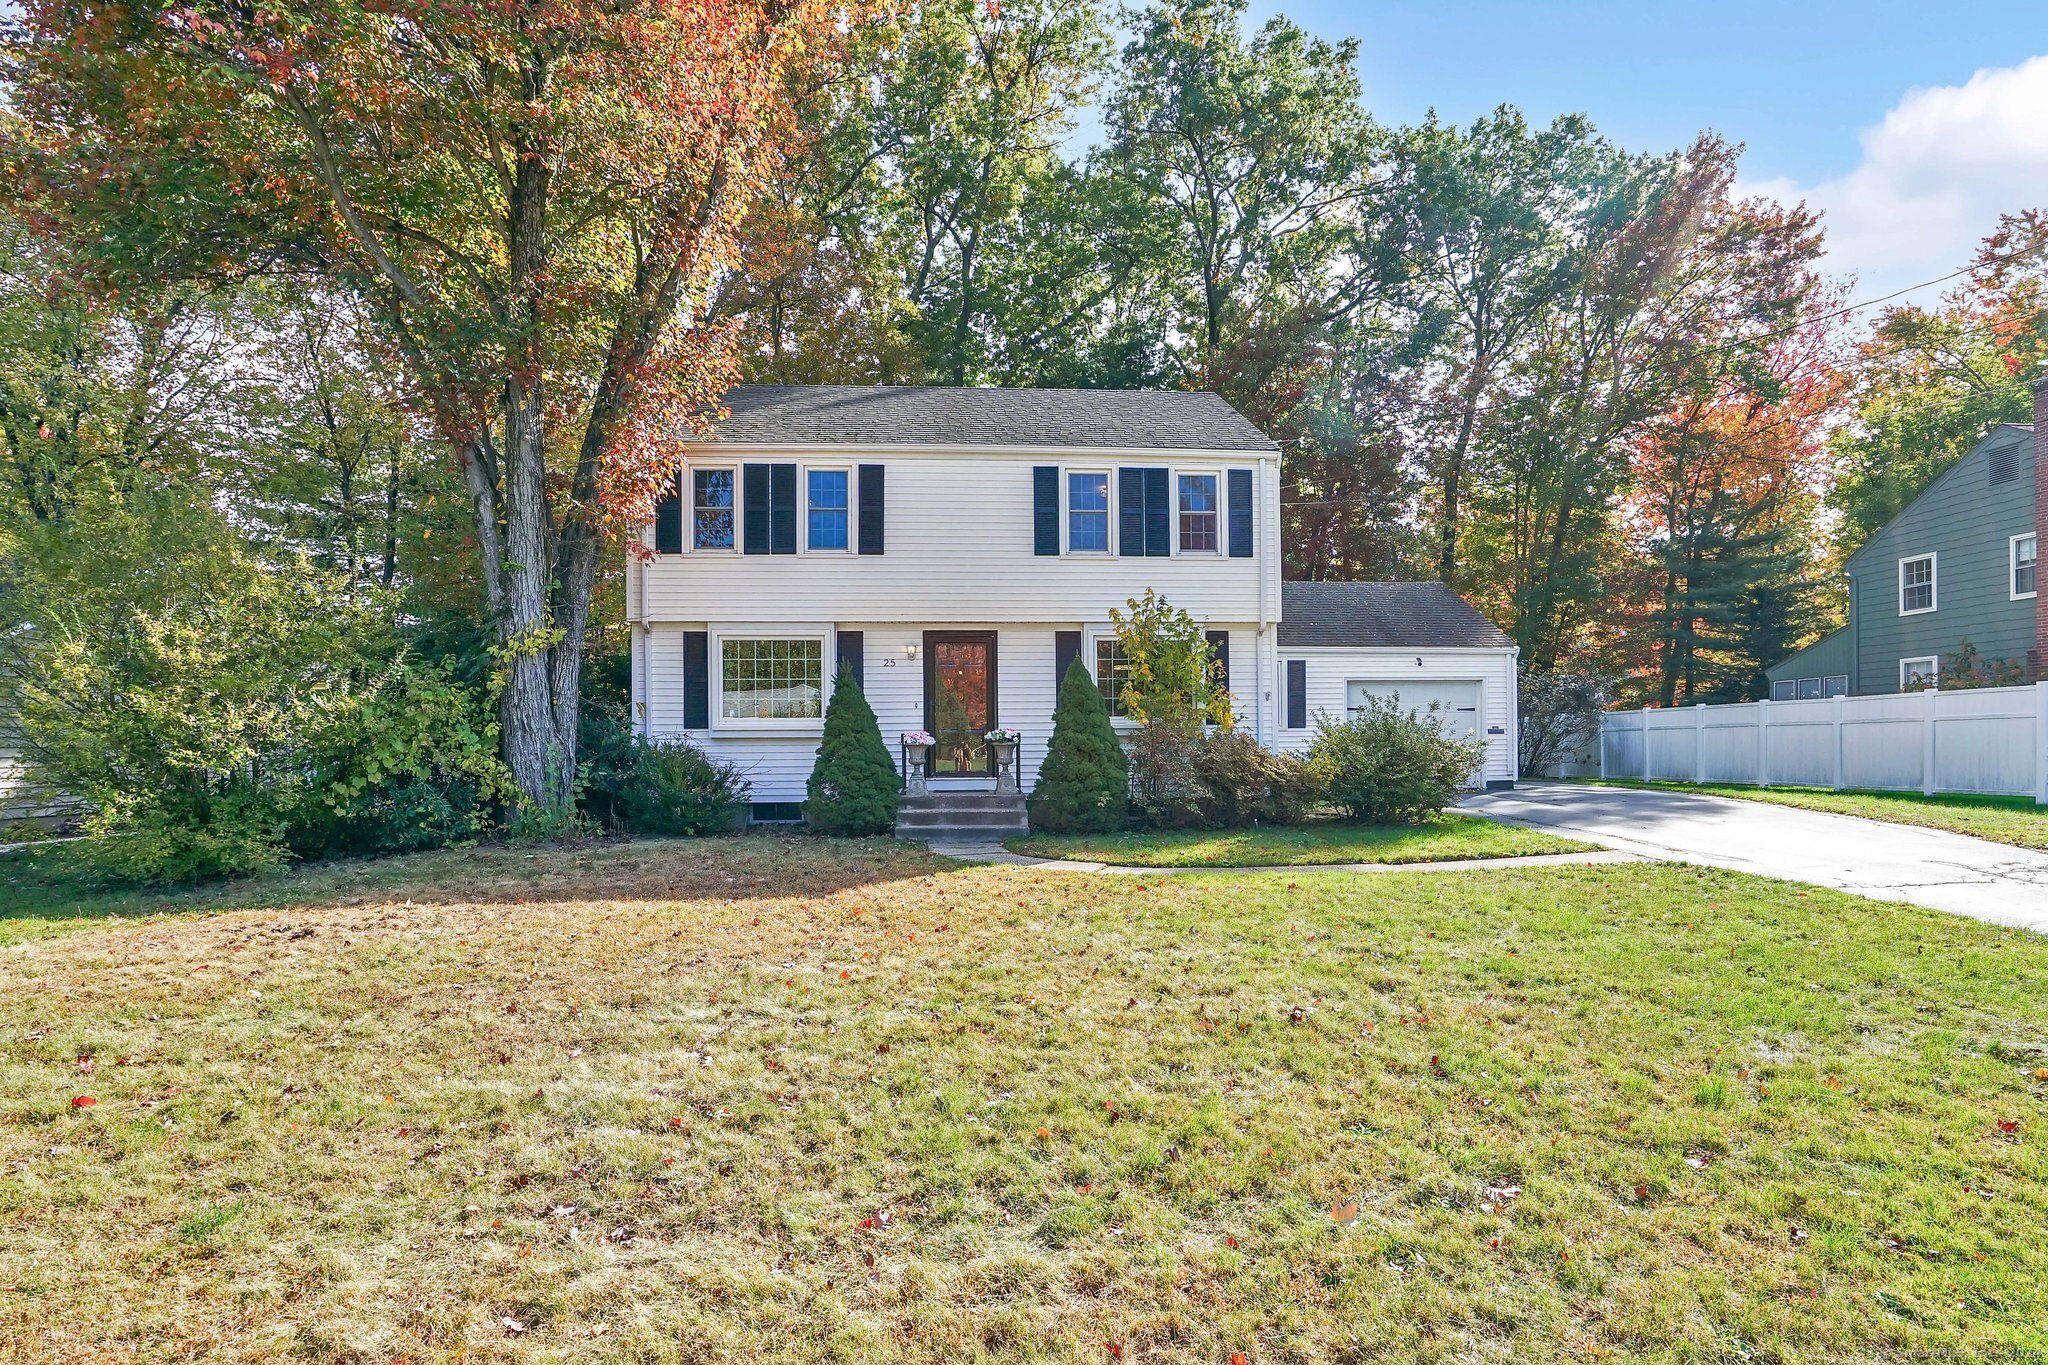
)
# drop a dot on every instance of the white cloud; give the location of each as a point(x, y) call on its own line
point(1935, 175)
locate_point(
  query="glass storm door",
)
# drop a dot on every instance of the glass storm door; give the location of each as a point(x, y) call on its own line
point(960, 700)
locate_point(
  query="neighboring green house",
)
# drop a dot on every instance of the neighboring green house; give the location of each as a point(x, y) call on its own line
point(1956, 566)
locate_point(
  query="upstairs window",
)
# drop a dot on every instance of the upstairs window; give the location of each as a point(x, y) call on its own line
point(2020, 560)
point(711, 509)
point(1198, 511)
point(825, 490)
point(1916, 584)
point(1112, 668)
point(1088, 513)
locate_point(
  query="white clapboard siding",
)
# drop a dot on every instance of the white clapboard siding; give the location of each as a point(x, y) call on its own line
point(778, 766)
point(1989, 740)
point(960, 548)
point(1331, 671)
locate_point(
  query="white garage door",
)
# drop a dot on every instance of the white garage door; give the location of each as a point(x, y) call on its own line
point(1457, 703)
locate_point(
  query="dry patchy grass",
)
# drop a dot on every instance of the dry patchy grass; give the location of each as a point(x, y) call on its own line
point(796, 1100)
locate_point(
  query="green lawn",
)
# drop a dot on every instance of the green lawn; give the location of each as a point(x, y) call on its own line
point(2002, 819)
point(797, 1100)
point(1326, 841)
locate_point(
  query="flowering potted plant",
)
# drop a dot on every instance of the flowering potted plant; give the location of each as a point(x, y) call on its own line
point(1003, 743)
point(917, 747)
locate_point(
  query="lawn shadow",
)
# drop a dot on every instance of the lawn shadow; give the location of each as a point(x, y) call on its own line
point(56, 883)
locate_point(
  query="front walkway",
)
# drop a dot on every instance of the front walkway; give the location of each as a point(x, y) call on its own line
point(1953, 872)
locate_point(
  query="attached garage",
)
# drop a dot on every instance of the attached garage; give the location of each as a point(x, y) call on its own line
point(1419, 643)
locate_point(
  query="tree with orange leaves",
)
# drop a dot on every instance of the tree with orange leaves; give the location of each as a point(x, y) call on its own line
point(1723, 490)
point(533, 199)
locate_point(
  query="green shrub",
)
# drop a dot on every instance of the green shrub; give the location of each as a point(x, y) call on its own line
point(239, 834)
point(1388, 767)
point(410, 764)
point(1183, 777)
point(1166, 790)
point(1244, 783)
point(1084, 784)
point(854, 786)
point(175, 678)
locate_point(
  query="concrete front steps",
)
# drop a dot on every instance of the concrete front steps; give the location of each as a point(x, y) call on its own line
point(962, 817)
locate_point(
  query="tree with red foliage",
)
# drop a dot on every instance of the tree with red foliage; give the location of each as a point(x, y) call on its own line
point(1723, 489)
point(533, 199)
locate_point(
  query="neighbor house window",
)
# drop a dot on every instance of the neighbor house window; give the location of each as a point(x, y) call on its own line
point(711, 508)
point(1088, 512)
point(1112, 668)
point(1916, 584)
point(771, 679)
point(826, 492)
point(1198, 513)
point(1917, 673)
point(1835, 685)
point(2020, 557)
point(1785, 689)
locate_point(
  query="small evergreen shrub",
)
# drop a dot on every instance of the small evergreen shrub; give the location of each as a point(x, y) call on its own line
point(1084, 784)
point(1386, 766)
point(854, 787)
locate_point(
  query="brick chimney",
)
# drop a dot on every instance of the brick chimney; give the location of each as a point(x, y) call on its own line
point(2040, 651)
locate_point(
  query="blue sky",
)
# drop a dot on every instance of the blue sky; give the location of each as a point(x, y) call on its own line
point(1910, 124)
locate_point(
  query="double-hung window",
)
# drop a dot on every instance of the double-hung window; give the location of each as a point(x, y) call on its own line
point(2020, 564)
point(1198, 514)
point(826, 497)
point(1088, 513)
point(766, 678)
point(1112, 668)
point(1916, 584)
point(711, 509)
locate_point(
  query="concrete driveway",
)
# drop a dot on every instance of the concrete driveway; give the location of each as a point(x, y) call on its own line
point(1951, 872)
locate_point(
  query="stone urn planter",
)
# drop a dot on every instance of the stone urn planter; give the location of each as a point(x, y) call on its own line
point(917, 750)
point(1002, 745)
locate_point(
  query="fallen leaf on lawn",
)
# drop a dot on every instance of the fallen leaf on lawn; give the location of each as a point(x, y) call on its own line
point(1344, 1212)
point(515, 1327)
point(83, 1101)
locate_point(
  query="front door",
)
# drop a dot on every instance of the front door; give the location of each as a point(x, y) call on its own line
point(960, 700)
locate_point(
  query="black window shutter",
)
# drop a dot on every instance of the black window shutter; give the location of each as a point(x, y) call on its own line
point(782, 509)
point(668, 521)
point(872, 517)
point(1130, 503)
point(696, 680)
point(853, 655)
point(1066, 649)
point(1045, 509)
point(1297, 694)
point(1158, 514)
point(1219, 650)
point(754, 509)
point(1240, 514)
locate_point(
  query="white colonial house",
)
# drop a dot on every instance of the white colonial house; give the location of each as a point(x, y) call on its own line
point(957, 549)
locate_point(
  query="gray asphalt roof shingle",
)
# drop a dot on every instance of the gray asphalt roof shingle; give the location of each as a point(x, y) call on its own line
point(829, 414)
point(1400, 615)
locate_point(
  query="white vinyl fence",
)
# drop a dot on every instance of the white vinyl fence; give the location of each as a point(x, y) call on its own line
point(1987, 739)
